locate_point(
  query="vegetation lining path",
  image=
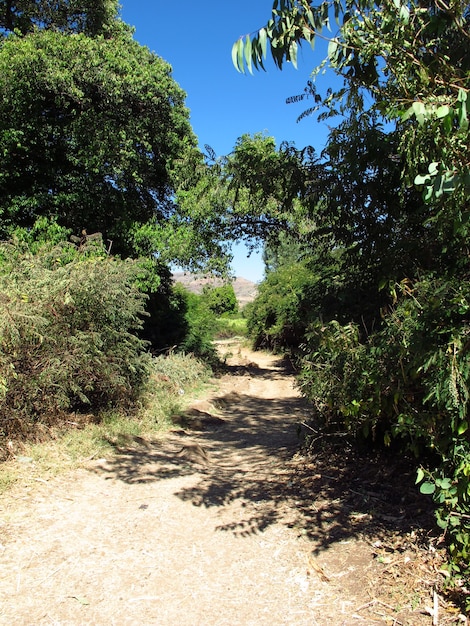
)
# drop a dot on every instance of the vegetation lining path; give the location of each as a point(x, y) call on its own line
point(214, 525)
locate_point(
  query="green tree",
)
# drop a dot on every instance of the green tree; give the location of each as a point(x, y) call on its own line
point(95, 138)
point(251, 194)
point(89, 128)
point(199, 325)
point(91, 17)
point(220, 299)
point(285, 251)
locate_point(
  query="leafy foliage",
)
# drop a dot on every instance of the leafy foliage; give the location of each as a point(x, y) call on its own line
point(389, 365)
point(221, 299)
point(408, 384)
point(94, 132)
point(88, 130)
point(179, 371)
point(278, 317)
point(229, 326)
point(68, 325)
point(199, 325)
point(411, 58)
point(251, 194)
point(92, 17)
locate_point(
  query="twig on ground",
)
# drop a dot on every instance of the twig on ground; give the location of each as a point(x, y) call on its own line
point(372, 602)
point(319, 570)
point(435, 616)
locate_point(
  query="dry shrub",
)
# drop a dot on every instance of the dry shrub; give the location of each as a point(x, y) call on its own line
point(68, 324)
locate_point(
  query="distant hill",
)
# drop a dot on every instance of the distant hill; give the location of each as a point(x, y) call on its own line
point(245, 290)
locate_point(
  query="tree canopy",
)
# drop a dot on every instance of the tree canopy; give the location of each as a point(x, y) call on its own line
point(89, 130)
point(410, 57)
point(91, 17)
point(94, 133)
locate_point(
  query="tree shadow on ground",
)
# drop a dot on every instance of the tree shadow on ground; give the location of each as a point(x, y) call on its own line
point(253, 460)
point(331, 493)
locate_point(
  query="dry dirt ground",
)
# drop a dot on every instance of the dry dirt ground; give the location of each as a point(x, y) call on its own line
point(223, 522)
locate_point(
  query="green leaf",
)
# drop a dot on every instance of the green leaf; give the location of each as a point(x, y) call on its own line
point(442, 523)
point(240, 62)
point(235, 48)
point(248, 50)
point(450, 183)
point(419, 110)
point(463, 427)
point(307, 33)
point(433, 168)
point(422, 180)
point(462, 113)
point(447, 123)
point(293, 53)
point(442, 111)
point(419, 475)
point(337, 9)
point(428, 194)
point(427, 488)
point(444, 483)
point(257, 55)
point(262, 36)
point(404, 14)
point(407, 114)
point(325, 15)
point(332, 50)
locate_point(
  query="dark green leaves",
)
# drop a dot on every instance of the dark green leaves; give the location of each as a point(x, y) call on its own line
point(99, 122)
point(92, 17)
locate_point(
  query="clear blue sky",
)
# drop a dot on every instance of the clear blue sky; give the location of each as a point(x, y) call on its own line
point(196, 39)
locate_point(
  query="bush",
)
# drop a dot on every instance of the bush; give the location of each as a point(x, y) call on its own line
point(200, 325)
point(68, 323)
point(278, 317)
point(221, 299)
point(332, 357)
point(408, 385)
point(431, 323)
point(179, 371)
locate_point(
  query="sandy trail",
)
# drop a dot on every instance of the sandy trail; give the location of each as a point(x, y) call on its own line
point(201, 528)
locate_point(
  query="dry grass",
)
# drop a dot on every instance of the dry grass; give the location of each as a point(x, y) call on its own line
point(73, 442)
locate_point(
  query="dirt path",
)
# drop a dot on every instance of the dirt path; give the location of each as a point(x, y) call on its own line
point(207, 527)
